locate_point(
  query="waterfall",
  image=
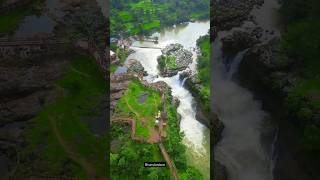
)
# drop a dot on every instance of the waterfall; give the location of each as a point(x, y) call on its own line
point(196, 135)
point(240, 149)
point(183, 81)
point(235, 64)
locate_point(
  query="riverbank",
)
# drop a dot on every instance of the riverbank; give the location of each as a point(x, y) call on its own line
point(182, 155)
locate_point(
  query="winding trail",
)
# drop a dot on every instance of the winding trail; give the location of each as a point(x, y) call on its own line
point(171, 165)
point(164, 153)
point(130, 121)
point(89, 169)
point(131, 109)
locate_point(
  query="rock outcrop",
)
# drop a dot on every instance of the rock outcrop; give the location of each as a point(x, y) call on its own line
point(135, 66)
point(264, 66)
point(231, 13)
point(118, 85)
point(173, 60)
point(240, 40)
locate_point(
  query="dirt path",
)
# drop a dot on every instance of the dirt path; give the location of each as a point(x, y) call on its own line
point(89, 169)
point(130, 121)
point(171, 165)
point(154, 136)
point(164, 153)
point(131, 109)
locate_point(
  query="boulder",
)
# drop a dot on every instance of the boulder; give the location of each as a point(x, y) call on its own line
point(264, 66)
point(239, 41)
point(232, 13)
point(173, 60)
point(135, 66)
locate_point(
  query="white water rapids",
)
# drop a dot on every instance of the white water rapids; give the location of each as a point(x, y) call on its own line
point(241, 148)
point(196, 135)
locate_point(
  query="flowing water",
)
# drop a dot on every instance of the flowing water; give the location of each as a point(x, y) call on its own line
point(241, 148)
point(196, 135)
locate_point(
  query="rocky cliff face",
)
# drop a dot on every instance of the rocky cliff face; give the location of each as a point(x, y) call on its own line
point(228, 14)
point(264, 66)
point(26, 85)
point(231, 13)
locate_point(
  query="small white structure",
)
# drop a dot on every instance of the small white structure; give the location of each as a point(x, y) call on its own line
point(112, 56)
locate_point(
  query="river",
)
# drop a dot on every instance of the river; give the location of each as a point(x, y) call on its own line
point(196, 137)
point(242, 148)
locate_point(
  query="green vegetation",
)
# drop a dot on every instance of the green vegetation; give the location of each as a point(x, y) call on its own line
point(301, 42)
point(203, 67)
point(127, 157)
point(132, 17)
point(58, 141)
point(126, 152)
point(122, 54)
point(167, 61)
point(144, 113)
point(9, 21)
point(174, 146)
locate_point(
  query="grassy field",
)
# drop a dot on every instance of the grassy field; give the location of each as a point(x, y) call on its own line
point(58, 140)
point(146, 111)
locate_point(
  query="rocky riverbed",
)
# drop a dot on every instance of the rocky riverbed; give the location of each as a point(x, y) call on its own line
point(174, 59)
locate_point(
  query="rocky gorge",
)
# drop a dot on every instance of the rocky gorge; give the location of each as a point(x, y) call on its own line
point(272, 76)
point(239, 31)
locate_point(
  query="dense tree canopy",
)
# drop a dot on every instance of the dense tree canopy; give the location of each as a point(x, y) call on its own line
point(133, 17)
point(301, 42)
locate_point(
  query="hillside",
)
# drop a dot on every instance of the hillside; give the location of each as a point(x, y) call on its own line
point(137, 17)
